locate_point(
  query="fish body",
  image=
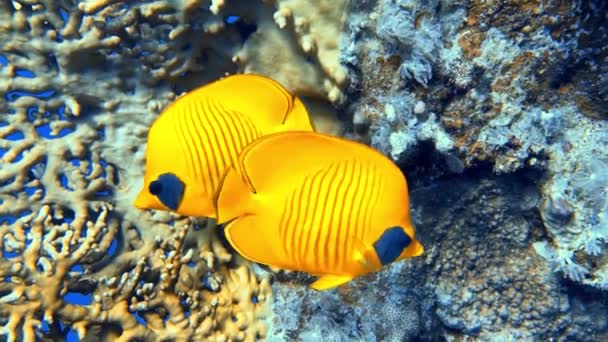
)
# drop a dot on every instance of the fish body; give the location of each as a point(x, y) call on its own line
point(320, 204)
point(197, 137)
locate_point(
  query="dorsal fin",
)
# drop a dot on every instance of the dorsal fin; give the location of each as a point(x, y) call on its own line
point(270, 150)
point(272, 101)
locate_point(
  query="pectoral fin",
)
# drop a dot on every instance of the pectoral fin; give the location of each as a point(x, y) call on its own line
point(233, 197)
point(364, 255)
point(252, 240)
point(327, 282)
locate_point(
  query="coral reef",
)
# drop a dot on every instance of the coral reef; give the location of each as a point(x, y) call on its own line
point(297, 43)
point(487, 86)
point(495, 110)
point(481, 277)
point(508, 289)
point(377, 308)
point(76, 257)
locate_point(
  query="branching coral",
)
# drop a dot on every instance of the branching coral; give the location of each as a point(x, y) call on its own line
point(80, 86)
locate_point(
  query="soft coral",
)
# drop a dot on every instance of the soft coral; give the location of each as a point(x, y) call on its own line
point(592, 182)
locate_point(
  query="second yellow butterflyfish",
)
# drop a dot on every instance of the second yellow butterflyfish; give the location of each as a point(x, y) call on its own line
point(196, 138)
point(320, 204)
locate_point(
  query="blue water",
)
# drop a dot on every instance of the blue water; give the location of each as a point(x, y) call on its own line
point(63, 180)
point(76, 162)
point(61, 113)
point(8, 255)
point(24, 73)
point(45, 131)
point(70, 334)
point(231, 19)
point(139, 319)
point(31, 111)
point(77, 268)
point(28, 238)
point(15, 135)
point(78, 298)
point(15, 94)
point(113, 247)
point(44, 326)
point(64, 14)
point(7, 219)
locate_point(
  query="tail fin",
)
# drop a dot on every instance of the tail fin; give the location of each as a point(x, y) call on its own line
point(233, 197)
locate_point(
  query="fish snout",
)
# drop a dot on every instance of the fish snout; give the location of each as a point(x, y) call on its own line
point(417, 249)
point(143, 200)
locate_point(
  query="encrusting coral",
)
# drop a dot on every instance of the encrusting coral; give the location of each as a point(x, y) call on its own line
point(499, 89)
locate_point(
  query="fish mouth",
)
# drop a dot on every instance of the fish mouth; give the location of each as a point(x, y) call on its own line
point(141, 201)
point(417, 248)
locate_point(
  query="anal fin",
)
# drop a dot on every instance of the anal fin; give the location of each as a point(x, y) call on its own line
point(329, 281)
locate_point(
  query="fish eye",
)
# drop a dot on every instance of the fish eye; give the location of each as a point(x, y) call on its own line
point(155, 188)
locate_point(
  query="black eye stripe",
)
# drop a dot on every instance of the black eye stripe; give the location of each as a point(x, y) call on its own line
point(391, 244)
point(155, 187)
point(168, 189)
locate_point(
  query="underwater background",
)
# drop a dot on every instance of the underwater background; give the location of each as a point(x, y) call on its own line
point(496, 111)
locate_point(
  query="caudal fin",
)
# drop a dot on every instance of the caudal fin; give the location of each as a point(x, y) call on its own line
point(233, 197)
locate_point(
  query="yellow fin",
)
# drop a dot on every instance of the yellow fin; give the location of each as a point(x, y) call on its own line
point(262, 98)
point(418, 249)
point(329, 281)
point(145, 200)
point(233, 197)
point(252, 240)
point(365, 255)
point(297, 119)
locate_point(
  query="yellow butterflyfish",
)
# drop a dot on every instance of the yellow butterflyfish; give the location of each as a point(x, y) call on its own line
point(315, 203)
point(197, 137)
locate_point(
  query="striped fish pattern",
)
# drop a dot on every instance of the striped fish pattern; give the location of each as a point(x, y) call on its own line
point(210, 143)
point(347, 194)
point(324, 205)
point(197, 137)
